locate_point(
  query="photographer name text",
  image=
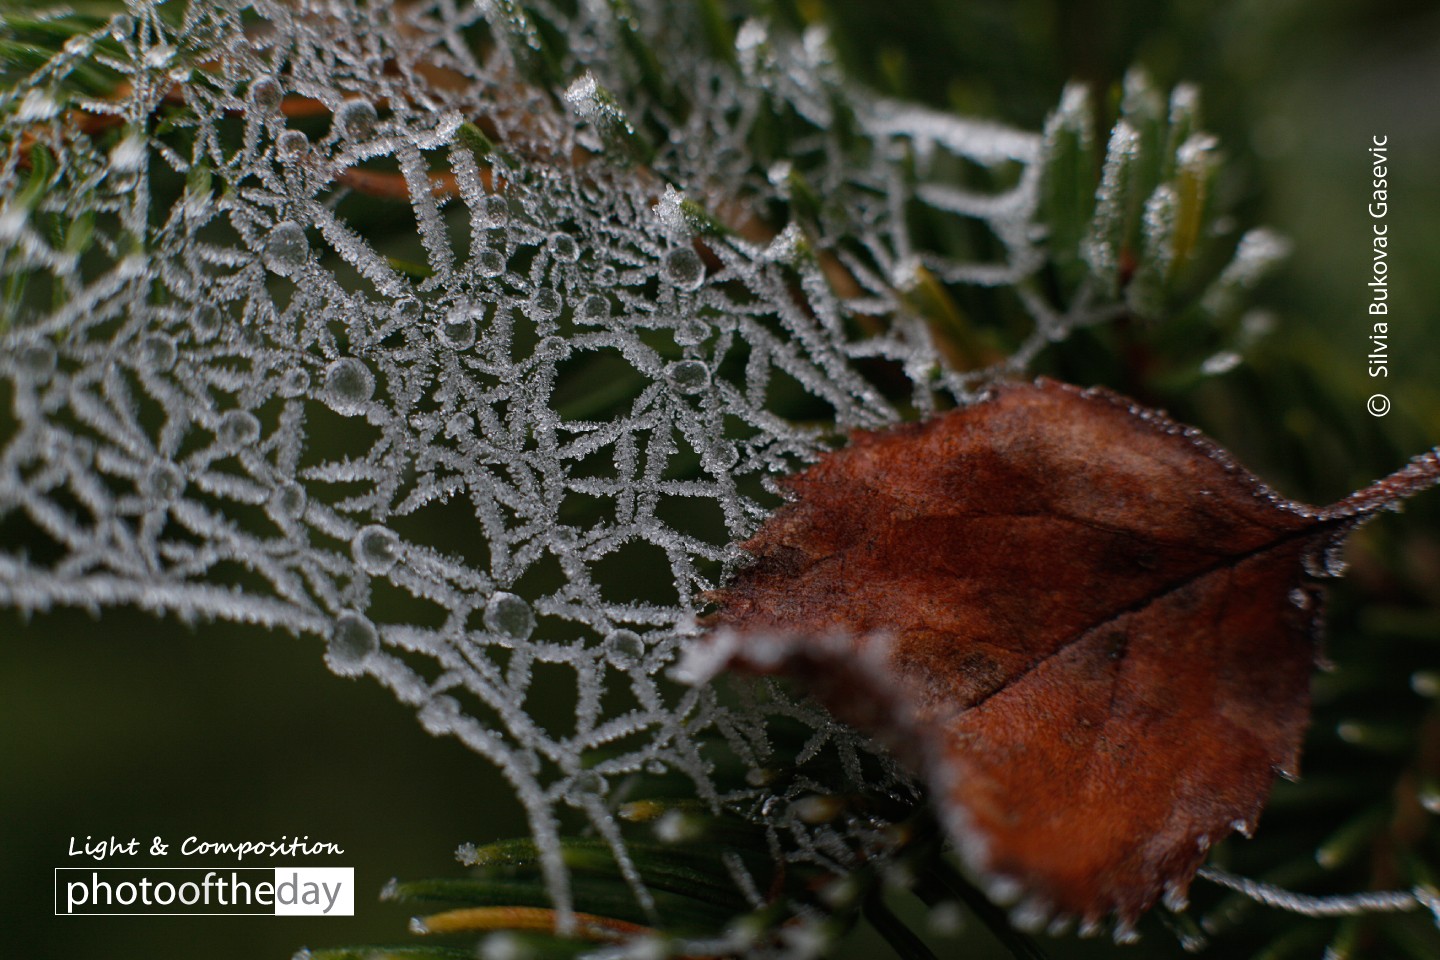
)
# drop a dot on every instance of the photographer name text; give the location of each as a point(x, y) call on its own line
point(1378, 359)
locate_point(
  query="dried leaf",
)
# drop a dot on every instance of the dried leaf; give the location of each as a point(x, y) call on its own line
point(1088, 627)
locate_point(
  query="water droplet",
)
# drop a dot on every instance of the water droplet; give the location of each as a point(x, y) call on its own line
point(205, 321)
point(438, 716)
point(237, 430)
point(606, 276)
point(552, 348)
point(509, 616)
point(595, 309)
point(120, 26)
point(408, 309)
point(760, 776)
point(78, 46)
point(587, 784)
point(293, 383)
point(1335, 564)
point(490, 263)
point(159, 55)
point(1030, 915)
point(691, 332)
point(677, 827)
point(504, 946)
point(164, 482)
point(684, 268)
point(356, 119)
point(37, 359)
point(495, 211)
point(457, 328)
point(349, 385)
point(12, 221)
point(1300, 598)
point(291, 144)
point(688, 376)
point(289, 500)
point(352, 641)
point(375, 549)
point(459, 425)
point(1222, 362)
point(564, 248)
point(286, 248)
point(623, 648)
point(649, 946)
point(1426, 683)
point(265, 95)
point(544, 305)
point(720, 456)
point(818, 808)
point(39, 104)
point(157, 352)
point(128, 155)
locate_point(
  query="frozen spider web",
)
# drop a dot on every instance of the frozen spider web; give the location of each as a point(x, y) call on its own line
point(334, 319)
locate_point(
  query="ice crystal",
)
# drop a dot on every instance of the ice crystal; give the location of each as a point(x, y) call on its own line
point(448, 458)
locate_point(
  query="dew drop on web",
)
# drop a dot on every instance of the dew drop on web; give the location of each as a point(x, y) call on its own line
point(157, 353)
point(352, 641)
point(509, 616)
point(375, 549)
point(457, 328)
point(688, 376)
point(356, 120)
point(624, 648)
point(265, 95)
point(564, 248)
point(684, 269)
point(291, 145)
point(294, 382)
point(38, 359)
point(289, 500)
point(349, 385)
point(237, 429)
point(164, 483)
point(286, 248)
point(594, 309)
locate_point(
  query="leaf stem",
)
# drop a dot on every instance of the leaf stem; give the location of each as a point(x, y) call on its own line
point(1419, 474)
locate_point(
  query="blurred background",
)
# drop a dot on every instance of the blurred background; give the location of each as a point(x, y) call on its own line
point(129, 725)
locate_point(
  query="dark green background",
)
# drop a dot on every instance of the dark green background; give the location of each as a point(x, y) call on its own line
point(130, 726)
point(133, 726)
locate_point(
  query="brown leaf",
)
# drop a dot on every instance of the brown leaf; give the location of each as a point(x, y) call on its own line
point(1086, 625)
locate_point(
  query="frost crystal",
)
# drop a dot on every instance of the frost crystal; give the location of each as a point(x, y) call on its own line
point(452, 461)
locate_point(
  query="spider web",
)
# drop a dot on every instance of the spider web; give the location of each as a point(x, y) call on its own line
point(494, 459)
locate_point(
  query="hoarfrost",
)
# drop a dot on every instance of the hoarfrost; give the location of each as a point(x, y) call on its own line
point(235, 406)
point(1258, 253)
point(1102, 248)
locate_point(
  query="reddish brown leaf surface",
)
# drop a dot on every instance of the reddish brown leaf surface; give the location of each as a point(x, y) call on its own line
point(1087, 626)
